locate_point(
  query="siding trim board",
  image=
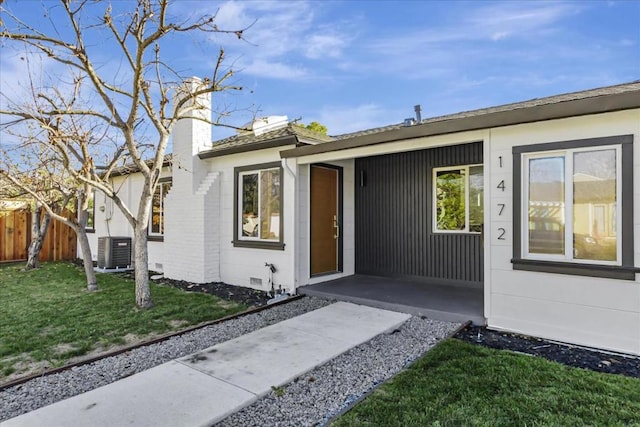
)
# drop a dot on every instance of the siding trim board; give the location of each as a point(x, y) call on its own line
point(394, 233)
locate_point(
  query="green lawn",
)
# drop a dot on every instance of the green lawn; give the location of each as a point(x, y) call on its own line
point(460, 384)
point(48, 317)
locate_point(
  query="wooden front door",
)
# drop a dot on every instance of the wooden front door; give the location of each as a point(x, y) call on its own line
point(325, 220)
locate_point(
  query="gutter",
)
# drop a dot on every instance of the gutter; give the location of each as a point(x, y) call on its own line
point(244, 148)
point(537, 113)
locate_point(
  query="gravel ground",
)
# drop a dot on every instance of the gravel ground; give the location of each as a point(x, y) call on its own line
point(43, 391)
point(311, 399)
point(314, 398)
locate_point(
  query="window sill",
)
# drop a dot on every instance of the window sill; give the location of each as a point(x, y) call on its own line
point(591, 270)
point(155, 238)
point(89, 230)
point(277, 246)
point(450, 232)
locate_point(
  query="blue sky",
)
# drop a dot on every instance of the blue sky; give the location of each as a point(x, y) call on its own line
point(353, 65)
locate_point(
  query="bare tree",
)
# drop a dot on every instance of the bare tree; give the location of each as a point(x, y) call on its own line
point(46, 172)
point(136, 105)
point(40, 221)
point(40, 218)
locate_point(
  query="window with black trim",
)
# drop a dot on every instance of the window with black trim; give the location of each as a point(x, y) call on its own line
point(573, 207)
point(156, 228)
point(258, 206)
point(458, 199)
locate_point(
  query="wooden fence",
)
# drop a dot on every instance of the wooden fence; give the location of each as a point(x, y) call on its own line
point(15, 236)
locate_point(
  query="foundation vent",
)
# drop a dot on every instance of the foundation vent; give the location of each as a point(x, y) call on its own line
point(255, 281)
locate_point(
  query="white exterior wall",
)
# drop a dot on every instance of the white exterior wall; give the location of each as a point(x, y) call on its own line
point(304, 226)
point(190, 234)
point(595, 312)
point(109, 221)
point(192, 203)
point(238, 265)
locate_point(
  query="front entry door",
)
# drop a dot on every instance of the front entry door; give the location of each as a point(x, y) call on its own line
point(325, 220)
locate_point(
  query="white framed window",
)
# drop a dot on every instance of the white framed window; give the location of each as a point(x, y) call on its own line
point(156, 228)
point(458, 199)
point(571, 199)
point(258, 210)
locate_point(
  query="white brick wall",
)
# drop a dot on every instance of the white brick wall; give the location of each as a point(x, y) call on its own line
point(191, 237)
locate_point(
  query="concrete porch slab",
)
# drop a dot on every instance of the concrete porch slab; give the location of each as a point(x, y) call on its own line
point(420, 298)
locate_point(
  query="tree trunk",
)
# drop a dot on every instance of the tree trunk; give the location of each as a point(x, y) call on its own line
point(141, 266)
point(39, 226)
point(83, 240)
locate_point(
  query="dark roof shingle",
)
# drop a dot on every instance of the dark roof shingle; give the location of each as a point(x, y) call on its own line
point(572, 96)
point(287, 135)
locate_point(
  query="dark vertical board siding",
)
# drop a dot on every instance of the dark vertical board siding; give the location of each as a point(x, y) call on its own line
point(394, 218)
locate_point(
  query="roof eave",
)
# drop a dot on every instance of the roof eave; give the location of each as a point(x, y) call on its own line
point(244, 148)
point(134, 169)
point(537, 113)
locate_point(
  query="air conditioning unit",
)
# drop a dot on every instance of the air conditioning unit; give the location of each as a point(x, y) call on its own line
point(114, 252)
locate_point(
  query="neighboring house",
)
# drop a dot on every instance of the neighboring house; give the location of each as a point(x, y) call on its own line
point(533, 202)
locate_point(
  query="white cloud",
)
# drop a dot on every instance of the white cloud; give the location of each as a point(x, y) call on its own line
point(278, 33)
point(273, 28)
point(21, 69)
point(499, 35)
point(319, 46)
point(517, 19)
point(508, 32)
point(274, 70)
point(483, 23)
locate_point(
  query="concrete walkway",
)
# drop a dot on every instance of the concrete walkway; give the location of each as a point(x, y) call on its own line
point(205, 387)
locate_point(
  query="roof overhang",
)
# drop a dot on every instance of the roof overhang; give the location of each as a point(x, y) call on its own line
point(559, 110)
point(132, 168)
point(244, 148)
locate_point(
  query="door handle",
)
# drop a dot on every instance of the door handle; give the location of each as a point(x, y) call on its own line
point(336, 228)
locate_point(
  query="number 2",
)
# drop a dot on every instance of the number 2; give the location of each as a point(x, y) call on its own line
point(501, 233)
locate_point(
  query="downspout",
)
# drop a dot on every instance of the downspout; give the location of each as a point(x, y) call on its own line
point(294, 264)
